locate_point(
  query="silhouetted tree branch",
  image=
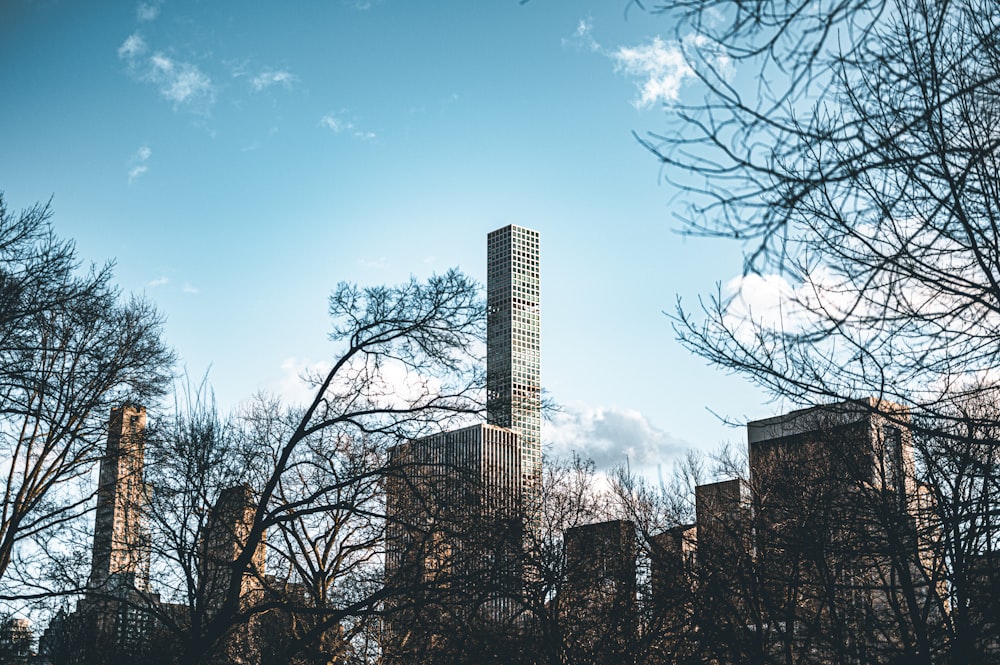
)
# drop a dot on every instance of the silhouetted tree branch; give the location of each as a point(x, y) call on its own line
point(71, 347)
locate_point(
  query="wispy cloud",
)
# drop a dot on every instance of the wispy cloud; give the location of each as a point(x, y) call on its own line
point(660, 66)
point(268, 78)
point(375, 264)
point(362, 5)
point(294, 386)
point(583, 36)
point(163, 280)
point(612, 437)
point(133, 46)
point(135, 172)
point(138, 163)
point(182, 83)
point(147, 11)
point(386, 384)
point(338, 123)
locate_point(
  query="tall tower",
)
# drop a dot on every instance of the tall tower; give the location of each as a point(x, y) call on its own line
point(513, 340)
point(121, 541)
point(226, 535)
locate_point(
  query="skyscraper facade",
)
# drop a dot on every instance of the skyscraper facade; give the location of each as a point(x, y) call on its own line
point(464, 483)
point(513, 341)
point(453, 540)
point(121, 540)
point(226, 535)
point(456, 502)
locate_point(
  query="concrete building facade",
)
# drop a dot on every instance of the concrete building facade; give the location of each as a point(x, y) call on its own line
point(453, 541)
point(451, 493)
point(226, 535)
point(121, 537)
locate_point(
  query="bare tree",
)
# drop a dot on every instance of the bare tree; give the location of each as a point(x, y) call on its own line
point(875, 205)
point(859, 176)
point(71, 347)
point(963, 494)
point(268, 527)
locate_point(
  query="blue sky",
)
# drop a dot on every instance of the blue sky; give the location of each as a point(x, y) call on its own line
point(240, 159)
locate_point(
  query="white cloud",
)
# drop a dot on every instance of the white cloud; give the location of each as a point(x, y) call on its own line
point(661, 66)
point(376, 264)
point(133, 46)
point(293, 386)
point(773, 302)
point(135, 172)
point(147, 11)
point(365, 383)
point(163, 280)
point(273, 77)
point(138, 163)
point(763, 302)
point(583, 36)
point(611, 436)
point(338, 123)
point(724, 66)
point(335, 124)
point(182, 83)
point(713, 54)
point(362, 5)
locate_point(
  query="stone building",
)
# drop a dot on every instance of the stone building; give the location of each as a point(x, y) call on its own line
point(121, 537)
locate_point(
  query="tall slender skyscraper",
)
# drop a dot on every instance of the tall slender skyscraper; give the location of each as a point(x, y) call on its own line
point(513, 340)
point(121, 539)
point(455, 501)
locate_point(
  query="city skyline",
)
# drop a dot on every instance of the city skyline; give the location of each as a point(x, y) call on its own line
point(766, 424)
point(239, 163)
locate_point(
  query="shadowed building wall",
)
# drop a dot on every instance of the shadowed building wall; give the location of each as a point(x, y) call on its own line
point(599, 602)
point(453, 538)
point(113, 623)
point(225, 538)
point(837, 530)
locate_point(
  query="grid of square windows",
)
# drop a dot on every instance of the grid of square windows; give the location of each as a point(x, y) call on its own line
point(513, 341)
